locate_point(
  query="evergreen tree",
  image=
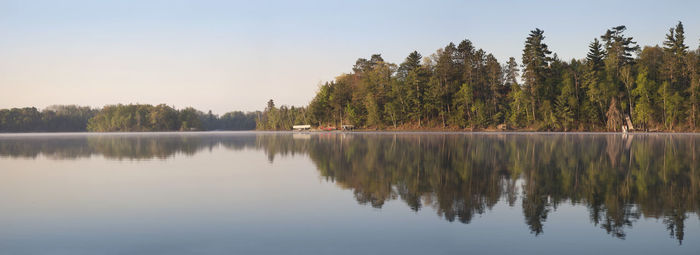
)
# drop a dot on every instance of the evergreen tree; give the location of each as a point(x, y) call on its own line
point(676, 74)
point(593, 78)
point(595, 55)
point(618, 54)
point(536, 61)
point(618, 47)
point(511, 72)
point(412, 76)
point(676, 50)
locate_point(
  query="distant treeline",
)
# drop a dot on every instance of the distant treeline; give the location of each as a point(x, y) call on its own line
point(460, 86)
point(282, 118)
point(58, 118)
point(123, 118)
point(144, 117)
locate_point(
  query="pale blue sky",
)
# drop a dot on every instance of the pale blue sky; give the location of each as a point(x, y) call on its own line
point(228, 55)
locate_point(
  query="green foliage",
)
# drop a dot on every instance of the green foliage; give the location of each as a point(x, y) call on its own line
point(236, 120)
point(146, 117)
point(284, 117)
point(566, 104)
point(121, 118)
point(481, 118)
point(373, 111)
point(519, 103)
point(671, 103)
point(353, 116)
point(460, 86)
point(643, 110)
point(536, 62)
point(464, 102)
point(412, 77)
point(56, 118)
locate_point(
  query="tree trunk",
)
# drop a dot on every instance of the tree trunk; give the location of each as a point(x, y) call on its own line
point(534, 118)
point(469, 112)
point(664, 115)
point(692, 118)
point(629, 96)
point(443, 119)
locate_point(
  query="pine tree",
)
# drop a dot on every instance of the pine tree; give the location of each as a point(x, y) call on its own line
point(535, 64)
point(618, 47)
point(444, 80)
point(498, 91)
point(676, 50)
point(675, 71)
point(595, 55)
point(413, 76)
point(592, 80)
point(466, 57)
point(511, 72)
point(618, 54)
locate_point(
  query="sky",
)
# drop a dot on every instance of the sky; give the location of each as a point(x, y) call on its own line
point(229, 55)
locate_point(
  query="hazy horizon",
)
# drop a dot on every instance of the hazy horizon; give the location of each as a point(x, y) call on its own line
point(225, 56)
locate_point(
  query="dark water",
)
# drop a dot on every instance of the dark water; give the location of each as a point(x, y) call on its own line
point(284, 193)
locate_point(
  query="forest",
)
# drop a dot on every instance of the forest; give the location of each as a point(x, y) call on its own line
point(124, 118)
point(462, 87)
point(57, 118)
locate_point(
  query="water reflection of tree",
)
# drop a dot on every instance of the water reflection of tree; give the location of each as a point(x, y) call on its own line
point(619, 179)
point(119, 146)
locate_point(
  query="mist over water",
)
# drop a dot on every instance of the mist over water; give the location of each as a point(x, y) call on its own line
point(349, 193)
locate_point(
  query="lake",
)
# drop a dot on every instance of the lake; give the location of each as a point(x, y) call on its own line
point(349, 193)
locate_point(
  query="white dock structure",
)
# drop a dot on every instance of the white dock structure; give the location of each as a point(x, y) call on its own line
point(301, 127)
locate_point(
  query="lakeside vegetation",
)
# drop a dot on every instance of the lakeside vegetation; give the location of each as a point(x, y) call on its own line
point(57, 118)
point(463, 87)
point(144, 117)
point(120, 118)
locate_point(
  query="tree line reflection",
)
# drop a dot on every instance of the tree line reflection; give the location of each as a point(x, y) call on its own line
point(619, 179)
point(117, 146)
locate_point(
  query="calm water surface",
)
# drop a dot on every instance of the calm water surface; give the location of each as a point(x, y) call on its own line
point(331, 193)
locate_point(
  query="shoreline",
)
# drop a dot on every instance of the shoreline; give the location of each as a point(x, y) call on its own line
point(484, 132)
